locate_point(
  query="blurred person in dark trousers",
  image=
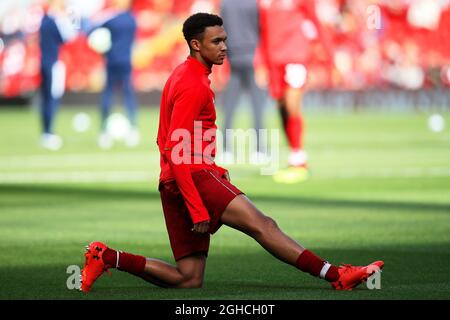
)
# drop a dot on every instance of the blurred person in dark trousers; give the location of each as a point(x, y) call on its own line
point(241, 21)
point(55, 29)
point(122, 27)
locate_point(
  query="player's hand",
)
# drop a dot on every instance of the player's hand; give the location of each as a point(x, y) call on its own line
point(201, 227)
point(226, 175)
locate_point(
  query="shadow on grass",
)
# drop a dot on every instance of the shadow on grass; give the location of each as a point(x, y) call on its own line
point(255, 276)
point(41, 192)
point(77, 191)
point(363, 204)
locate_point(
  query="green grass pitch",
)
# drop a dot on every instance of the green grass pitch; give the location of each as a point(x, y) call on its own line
point(379, 189)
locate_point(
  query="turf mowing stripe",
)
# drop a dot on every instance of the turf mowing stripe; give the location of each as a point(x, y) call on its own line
point(78, 177)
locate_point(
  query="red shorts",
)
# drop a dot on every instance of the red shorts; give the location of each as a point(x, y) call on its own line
point(282, 76)
point(216, 193)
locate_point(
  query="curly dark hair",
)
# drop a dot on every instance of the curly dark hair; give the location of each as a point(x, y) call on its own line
point(195, 25)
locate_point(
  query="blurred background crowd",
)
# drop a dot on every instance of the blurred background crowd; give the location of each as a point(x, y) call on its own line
point(376, 44)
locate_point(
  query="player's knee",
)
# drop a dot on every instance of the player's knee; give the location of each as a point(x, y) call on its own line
point(264, 226)
point(196, 283)
point(270, 224)
point(192, 282)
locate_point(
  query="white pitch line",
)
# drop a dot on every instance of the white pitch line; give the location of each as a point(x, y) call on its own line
point(70, 160)
point(384, 173)
point(142, 176)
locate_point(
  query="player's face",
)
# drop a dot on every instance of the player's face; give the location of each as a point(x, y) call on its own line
point(212, 47)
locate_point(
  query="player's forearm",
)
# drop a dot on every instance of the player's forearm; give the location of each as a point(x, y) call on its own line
point(183, 178)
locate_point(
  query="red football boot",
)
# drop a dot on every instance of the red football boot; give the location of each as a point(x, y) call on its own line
point(351, 276)
point(94, 266)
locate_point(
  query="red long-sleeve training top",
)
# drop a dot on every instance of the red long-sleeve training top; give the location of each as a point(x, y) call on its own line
point(185, 147)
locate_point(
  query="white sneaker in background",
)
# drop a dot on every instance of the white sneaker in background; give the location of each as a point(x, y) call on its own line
point(105, 141)
point(51, 141)
point(297, 158)
point(133, 138)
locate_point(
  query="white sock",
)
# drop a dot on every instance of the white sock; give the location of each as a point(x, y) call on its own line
point(325, 268)
point(297, 158)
